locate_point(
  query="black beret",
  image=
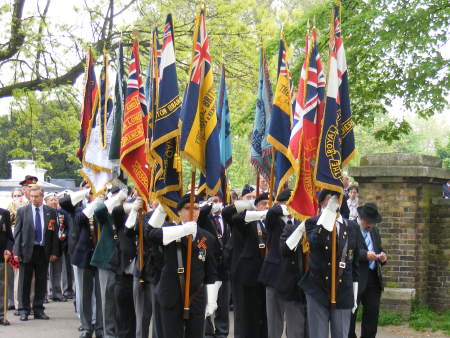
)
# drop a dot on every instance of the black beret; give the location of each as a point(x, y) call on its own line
point(284, 195)
point(262, 197)
point(247, 189)
point(324, 194)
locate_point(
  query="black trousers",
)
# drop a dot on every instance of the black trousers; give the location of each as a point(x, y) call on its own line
point(370, 299)
point(175, 327)
point(237, 294)
point(39, 265)
point(254, 312)
point(125, 315)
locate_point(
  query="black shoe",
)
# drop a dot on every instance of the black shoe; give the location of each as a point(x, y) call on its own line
point(11, 307)
point(4, 322)
point(86, 335)
point(99, 335)
point(46, 301)
point(59, 299)
point(16, 313)
point(23, 317)
point(69, 294)
point(41, 315)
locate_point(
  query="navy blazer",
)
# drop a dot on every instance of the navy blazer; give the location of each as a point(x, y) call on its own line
point(6, 235)
point(24, 233)
point(317, 280)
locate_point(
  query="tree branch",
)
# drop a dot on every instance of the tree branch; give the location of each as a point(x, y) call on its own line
point(17, 36)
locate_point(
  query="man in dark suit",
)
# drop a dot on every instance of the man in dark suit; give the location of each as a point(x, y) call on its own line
point(446, 189)
point(251, 227)
point(317, 280)
point(6, 246)
point(36, 243)
point(211, 220)
point(371, 257)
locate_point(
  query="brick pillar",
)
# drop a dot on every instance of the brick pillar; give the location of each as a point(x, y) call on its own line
point(403, 185)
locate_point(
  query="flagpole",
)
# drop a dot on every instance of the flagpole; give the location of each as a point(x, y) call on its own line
point(5, 298)
point(257, 182)
point(272, 178)
point(189, 251)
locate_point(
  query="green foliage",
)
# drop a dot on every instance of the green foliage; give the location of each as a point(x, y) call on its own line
point(443, 151)
point(43, 127)
point(422, 318)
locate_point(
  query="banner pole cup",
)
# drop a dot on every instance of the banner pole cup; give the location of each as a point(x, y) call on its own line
point(189, 252)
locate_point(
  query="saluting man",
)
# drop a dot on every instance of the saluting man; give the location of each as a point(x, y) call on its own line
point(170, 289)
point(317, 282)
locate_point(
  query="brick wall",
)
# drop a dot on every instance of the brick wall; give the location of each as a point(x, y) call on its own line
point(439, 256)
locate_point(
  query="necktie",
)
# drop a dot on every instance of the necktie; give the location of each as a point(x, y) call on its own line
point(218, 225)
point(369, 244)
point(38, 228)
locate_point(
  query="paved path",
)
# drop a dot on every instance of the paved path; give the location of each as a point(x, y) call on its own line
point(64, 324)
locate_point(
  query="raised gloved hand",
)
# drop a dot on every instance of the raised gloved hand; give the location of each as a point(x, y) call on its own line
point(242, 205)
point(212, 291)
point(251, 216)
point(295, 237)
point(158, 217)
point(78, 196)
point(328, 216)
point(216, 207)
point(175, 232)
point(90, 208)
point(116, 199)
point(285, 209)
point(132, 216)
point(355, 296)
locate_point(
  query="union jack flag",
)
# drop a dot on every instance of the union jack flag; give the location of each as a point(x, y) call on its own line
point(135, 81)
point(202, 59)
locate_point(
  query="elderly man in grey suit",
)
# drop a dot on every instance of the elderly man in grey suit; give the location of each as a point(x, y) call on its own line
point(36, 243)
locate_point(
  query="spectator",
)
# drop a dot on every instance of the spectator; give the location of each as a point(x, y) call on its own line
point(353, 201)
point(446, 190)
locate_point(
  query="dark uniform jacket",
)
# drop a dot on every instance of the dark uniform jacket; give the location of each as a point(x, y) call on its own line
point(222, 254)
point(291, 268)
point(269, 274)
point(252, 256)
point(86, 241)
point(203, 266)
point(67, 228)
point(6, 235)
point(126, 242)
point(317, 280)
point(66, 204)
point(363, 262)
point(106, 246)
point(235, 244)
point(24, 233)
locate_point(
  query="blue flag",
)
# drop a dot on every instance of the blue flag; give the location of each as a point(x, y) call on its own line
point(281, 122)
point(199, 130)
point(260, 149)
point(164, 143)
point(337, 141)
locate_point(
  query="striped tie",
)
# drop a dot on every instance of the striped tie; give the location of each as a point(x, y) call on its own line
point(369, 244)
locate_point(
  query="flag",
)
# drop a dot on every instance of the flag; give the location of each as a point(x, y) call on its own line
point(199, 130)
point(90, 102)
point(133, 157)
point(97, 169)
point(165, 129)
point(337, 142)
point(223, 113)
point(281, 121)
point(260, 149)
point(305, 132)
point(119, 94)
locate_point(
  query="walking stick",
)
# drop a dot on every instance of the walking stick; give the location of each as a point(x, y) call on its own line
point(5, 298)
point(187, 284)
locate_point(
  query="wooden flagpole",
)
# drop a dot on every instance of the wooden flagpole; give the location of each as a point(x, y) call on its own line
point(272, 178)
point(189, 252)
point(5, 298)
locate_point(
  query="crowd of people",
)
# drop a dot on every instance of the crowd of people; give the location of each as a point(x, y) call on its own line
point(126, 268)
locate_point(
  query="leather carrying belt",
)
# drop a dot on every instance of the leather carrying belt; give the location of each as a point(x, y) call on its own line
point(180, 269)
point(342, 263)
point(261, 244)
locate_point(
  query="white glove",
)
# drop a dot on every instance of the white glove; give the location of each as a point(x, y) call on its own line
point(158, 217)
point(212, 291)
point(355, 296)
point(132, 216)
point(216, 207)
point(115, 200)
point(328, 216)
point(175, 232)
point(295, 237)
point(127, 207)
point(242, 205)
point(285, 209)
point(90, 208)
point(251, 216)
point(78, 196)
